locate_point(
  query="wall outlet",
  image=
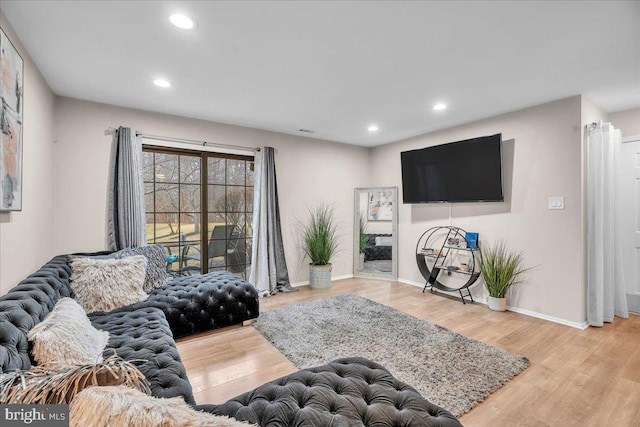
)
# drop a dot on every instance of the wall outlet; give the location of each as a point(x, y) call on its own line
point(556, 203)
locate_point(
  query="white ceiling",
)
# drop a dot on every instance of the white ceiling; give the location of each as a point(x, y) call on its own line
point(336, 67)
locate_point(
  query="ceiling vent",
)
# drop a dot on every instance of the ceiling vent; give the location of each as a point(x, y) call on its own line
point(306, 130)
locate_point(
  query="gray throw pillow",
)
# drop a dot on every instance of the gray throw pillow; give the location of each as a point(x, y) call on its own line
point(156, 275)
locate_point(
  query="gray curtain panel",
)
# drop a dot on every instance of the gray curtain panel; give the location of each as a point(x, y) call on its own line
point(269, 272)
point(126, 220)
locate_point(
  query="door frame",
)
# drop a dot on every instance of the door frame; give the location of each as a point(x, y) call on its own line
point(633, 300)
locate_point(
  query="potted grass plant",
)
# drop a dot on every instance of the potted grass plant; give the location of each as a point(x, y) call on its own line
point(501, 269)
point(320, 244)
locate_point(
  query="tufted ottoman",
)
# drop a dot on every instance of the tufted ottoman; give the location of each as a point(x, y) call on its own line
point(195, 304)
point(349, 392)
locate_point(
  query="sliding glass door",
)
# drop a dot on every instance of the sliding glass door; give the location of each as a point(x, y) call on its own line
point(199, 207)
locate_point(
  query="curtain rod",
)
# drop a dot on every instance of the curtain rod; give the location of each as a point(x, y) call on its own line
point(112, 131)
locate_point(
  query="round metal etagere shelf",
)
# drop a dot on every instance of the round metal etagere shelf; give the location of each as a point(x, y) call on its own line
point(438, 254)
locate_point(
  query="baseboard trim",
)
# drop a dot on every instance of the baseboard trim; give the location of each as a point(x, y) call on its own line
point(333, 279)
point(582, 326)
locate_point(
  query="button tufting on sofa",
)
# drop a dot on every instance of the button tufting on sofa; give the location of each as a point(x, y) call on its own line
point(332, 400)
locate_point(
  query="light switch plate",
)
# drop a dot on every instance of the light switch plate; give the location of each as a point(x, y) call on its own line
point(556, 203)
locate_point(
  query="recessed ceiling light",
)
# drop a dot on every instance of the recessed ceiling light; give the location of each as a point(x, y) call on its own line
point(161, 83)
point(182, 21)
point(439, 107)
point(373, 128)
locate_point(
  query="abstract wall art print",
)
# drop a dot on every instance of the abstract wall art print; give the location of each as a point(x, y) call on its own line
point(11, 93)
point(380, 205)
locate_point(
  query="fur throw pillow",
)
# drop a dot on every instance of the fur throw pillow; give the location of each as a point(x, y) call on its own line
point(107, 284)
point(41, 386)
point(66, 337)
point(156, 274)
point(123, 406)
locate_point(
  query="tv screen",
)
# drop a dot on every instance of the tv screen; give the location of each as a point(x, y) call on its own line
point(463, 171)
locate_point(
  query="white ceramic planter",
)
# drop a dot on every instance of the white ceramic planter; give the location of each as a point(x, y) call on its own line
point(319, 276)
point(497, 304)
point(361, 262)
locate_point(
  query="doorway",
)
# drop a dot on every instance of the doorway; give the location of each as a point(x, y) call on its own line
point(629, 217)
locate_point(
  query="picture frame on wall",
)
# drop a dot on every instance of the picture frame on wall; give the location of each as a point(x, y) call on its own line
point(380, 206)
point(11, 94)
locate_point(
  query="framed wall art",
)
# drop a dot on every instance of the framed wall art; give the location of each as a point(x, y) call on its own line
point(11, 93)
point(380, 206)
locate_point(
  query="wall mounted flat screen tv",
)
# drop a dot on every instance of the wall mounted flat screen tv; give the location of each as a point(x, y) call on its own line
point(462, 171)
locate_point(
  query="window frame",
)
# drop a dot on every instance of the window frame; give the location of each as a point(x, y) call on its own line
point(205, 233)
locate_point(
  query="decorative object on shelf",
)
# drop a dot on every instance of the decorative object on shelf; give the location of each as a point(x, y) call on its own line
point(501, 268)
point(320, 243)
point(471, 239)
point(454, 256)
point(380, 206)
point(12, 81)
point(453, 241)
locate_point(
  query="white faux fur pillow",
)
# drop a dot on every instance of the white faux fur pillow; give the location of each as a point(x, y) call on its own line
point(66, 337)
point(123, 406)
point(107, 284)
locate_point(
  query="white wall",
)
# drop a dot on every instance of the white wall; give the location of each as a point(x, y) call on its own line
point(308, 170)
point(541, 158)
point(26, 237)
point(627, 121)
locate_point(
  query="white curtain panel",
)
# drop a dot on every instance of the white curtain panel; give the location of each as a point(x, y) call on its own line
point(269, 273)
point(259, 273)
point(606, 295)
point(125, 217)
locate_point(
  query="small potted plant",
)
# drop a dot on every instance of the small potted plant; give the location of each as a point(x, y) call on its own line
point(320, 243)
point(501, 269)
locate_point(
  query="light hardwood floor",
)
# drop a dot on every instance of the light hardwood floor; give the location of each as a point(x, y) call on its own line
point(576, 378)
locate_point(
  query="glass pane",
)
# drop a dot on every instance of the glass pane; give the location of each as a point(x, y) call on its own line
point(238, 252)
point(250, 170)
point(249, 232)
point(166, 198)
point(190, 198)
point(167, 229)
point(150, 226)
point(189, 169)
point(147, 165)
point(190, 258)
point(235, 172)
point(215, 170)
point(148, 197)
point(249, 199)
point(216, 219)
point(166, 167)
point(249, 248)
point(237, 219)
point(235, 199)
point(216, 198)
point(190, 228)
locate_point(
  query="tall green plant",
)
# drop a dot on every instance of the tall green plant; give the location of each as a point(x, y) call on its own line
point(500, 268)
point(363, 232)
point(319, 235)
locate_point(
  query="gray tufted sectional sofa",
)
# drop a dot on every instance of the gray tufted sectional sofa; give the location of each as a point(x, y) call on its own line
point(142, 332)
point(344, 393)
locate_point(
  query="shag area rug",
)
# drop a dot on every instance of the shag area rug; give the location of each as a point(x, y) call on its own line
point(447, 368)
